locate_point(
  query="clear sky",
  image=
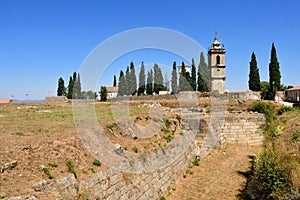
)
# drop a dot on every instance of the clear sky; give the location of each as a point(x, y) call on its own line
point(41, 41)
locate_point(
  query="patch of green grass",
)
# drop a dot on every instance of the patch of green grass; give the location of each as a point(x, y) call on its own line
point(169, 138)
point(20, 133)
point(165, 129)
point(97, 162)
point(162, 198)
point(93, 170)
point(71, 168)
point(47, 172)
point(167, 123)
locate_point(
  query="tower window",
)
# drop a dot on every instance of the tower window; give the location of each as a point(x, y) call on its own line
point(218, 59)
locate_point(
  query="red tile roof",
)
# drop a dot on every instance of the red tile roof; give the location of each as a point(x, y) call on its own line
point(5, 101)
point(294, 88)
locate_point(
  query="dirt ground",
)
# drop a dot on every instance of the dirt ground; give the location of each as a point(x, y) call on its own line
point(217, 176)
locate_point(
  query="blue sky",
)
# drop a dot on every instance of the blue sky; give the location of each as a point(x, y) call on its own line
point(41, 41)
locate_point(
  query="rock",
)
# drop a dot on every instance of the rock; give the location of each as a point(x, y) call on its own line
point(41, 186)
point(118, 149)
point(23, 198)
point(2, 195)
point(1, 169)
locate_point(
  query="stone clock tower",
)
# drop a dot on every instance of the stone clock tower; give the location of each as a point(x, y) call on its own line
point(216, 64)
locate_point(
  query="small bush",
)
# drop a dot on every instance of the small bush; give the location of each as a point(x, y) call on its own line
point(47, 172)
point(97, 162)
point(295, 136)
point(284, 109)
point(71, 168)
point(165, 129)
point(162, 198)
point(135, 149)
point(93, 170)
point(167, 123)
point(19, 133)
point(196, 162)
point(52, 164)
point(169, 138)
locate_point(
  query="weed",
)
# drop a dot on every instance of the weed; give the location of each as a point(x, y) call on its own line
point(20, 133)
point(169, 138)
point(196, 162)
point(97, 162)
point(165, 129)
point(167, 123)
point(295, 136)
point(162, 198)
point(52, 164)
point(93, 170)
point(47, 172)
point(135, 149)
point(71, 168)
point(284, 109)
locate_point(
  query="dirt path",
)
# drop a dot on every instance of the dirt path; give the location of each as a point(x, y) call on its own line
point(217, 176)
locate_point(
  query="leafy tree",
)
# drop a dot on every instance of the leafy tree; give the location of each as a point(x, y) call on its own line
point(174, 81)
point(103, 93)
point(184, 79)
point(203, 75)
point(274, 72)
point(149, 86)
point(193, 76)
point(70, 88)
point(254, 79)
point(115, 81)
point(142, 87)
point(61, 90)
point(89, 94)
point(77, 87)
point(122, 84)
point(158, 79)
point(266, 92)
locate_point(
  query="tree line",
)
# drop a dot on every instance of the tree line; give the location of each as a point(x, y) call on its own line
point(267, 88)
point(153, 81)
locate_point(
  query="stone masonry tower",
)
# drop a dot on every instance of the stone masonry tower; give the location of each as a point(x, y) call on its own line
point(216, 64)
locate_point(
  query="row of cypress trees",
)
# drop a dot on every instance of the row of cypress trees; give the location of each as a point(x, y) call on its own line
point(73, 90)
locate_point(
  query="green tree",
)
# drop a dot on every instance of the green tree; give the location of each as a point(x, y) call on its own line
point(142, 87)
point(203, 84)
point(89, 94)
point(158, 79)
point(254, 79)
point(149, 86)
point(184, 79)
point(103, 93)
point(133, 83)
point(70, 88)
point(122, 84)
point(115, 81)
point(77, 87)
point(174, 81)
point(193, 76)
point(127, 82)
point(274, 71)
point(61, 90)
point(266, 92)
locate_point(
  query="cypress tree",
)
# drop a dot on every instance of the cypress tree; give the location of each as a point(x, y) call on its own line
point(158, 79)
point(141, 89)
point(174, 83)
point(115, 81)
point(193, 76)
point(61, 90)
point(103, 93)
point(127, 82)
point(77, 87)
point(70, 88)
point(133, 84)
point(122, 84)
point(254, 79)
point(203, 84)
point(149, 86)
point(184, 79)
point(274, 71)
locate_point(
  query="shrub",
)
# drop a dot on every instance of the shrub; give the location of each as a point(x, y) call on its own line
point(71, 168)
point(135, 149)
point(47, 172)
point(196, 162)
point(52, 164)
point(162, 198)
point(165, 129)
point(97, 162)
point(295, 136)
point(167, 123)
point(19, 133)
point(169, 138)
point(284, 109)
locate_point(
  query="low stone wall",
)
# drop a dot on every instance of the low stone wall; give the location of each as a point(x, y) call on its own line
point(113, 184)
point(243, 128)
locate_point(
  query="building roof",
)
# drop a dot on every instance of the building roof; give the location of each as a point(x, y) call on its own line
point(112, 89)
point(5, 101)
point(294, 88)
